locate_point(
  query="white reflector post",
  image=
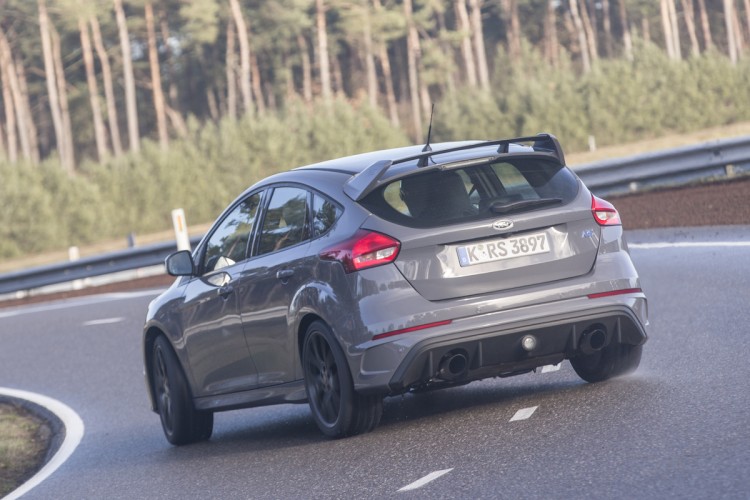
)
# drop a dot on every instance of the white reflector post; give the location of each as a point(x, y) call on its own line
point(180, 229)
point(74, 254)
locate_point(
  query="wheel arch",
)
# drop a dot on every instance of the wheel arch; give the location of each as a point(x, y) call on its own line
point(307, 320)
point(149, 337)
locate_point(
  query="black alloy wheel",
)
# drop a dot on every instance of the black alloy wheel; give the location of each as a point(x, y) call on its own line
point(181, 422)
point(337, 409)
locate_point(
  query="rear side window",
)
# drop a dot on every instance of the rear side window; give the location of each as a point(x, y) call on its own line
point(325, 214)
point(437, 197)
point(285, 222)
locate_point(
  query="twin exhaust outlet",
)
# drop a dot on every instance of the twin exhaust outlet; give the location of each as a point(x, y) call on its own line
point(454, 365)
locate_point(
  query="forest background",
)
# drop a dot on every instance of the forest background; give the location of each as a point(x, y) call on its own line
point(114, 112)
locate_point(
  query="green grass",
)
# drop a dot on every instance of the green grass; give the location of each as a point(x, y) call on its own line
point(23, 442)
point(659, 143)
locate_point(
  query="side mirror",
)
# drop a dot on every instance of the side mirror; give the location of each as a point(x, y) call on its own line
point(180, 264)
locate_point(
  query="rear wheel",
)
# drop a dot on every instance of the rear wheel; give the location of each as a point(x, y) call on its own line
point(182, 423)
point(612, 361)
point(336, 407)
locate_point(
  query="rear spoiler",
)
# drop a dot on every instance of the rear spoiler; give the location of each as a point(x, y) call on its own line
point(368, 179)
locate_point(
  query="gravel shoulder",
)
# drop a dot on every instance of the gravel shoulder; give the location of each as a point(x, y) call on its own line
point(715, 204)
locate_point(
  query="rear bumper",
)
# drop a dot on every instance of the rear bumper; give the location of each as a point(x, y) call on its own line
point(496, 350)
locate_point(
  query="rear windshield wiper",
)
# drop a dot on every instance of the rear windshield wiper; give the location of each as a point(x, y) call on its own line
point(516, 206)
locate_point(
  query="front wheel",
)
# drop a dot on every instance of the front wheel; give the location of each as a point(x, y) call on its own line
point(182, 423)
point(337, 408)
point(612, 361)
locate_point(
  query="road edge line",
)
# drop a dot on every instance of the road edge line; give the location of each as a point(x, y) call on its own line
point(74, 430)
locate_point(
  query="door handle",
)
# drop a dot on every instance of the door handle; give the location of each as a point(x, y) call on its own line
point(226, 291)
point(285, 274)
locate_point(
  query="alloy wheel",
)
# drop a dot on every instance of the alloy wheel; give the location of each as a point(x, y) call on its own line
point(163, 392)
point(323, 374)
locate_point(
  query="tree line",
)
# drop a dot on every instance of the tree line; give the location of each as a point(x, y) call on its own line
point(114, 112)
point(92, 79)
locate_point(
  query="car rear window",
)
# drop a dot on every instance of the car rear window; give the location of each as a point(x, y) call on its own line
point(475, 192)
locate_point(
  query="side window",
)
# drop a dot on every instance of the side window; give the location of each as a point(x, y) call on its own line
point(325, 213)
point(228, 243)
point(285, 222)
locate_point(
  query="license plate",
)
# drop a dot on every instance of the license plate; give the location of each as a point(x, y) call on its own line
point(502, 249)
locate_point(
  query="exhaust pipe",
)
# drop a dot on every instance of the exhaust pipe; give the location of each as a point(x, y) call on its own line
point(453, 366)
point(594, 338)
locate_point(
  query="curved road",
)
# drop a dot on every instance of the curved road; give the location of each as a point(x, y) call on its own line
point(678, 428)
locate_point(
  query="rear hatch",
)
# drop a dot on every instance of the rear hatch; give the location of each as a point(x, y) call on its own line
point(507, 223)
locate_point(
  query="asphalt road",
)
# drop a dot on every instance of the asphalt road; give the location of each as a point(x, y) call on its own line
point(678, 428)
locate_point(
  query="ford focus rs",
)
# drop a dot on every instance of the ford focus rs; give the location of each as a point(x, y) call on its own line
point(344, 282)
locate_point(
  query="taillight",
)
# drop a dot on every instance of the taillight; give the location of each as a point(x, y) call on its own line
point(605, 213)
point(363, 250)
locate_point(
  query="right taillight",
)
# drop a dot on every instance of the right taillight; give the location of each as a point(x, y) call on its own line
point(605, 213)
point(363, 250)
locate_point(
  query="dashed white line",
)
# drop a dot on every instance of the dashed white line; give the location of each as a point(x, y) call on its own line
point(105, 321)
point(427, 479)
point(551, 368)
point(524, 413)
point(690, 244)
point(73, 434)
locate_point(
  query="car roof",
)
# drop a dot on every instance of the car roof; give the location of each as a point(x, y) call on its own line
point(357, 163)
point(348, 166)
point(369, 170)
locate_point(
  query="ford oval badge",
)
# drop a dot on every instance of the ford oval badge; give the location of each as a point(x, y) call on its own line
point(502, 225)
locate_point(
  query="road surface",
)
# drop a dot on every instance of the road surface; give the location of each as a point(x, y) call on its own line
point(678, 428)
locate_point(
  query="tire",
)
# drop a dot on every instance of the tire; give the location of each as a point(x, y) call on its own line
point(337, 408)
point(181, 422)
point(612, 361)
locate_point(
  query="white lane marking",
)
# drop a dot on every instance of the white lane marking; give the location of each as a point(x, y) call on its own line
point(427, 479)
point(77, 302)
point(74, 429)
point(105, 321)
point(524, 413)
point(690, 244)
point(551, 368)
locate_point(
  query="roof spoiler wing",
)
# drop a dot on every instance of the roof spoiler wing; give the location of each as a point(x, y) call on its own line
point(368, 179)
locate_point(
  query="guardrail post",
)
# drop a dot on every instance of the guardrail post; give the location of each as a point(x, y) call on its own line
point(180, 229)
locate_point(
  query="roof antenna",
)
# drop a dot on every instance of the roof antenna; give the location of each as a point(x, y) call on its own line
point(426, 149)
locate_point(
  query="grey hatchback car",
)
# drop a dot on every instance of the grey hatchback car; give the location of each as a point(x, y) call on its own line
point(347, 281)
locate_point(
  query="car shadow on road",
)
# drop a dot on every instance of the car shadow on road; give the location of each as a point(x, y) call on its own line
point(489, 394)
point(417, 416)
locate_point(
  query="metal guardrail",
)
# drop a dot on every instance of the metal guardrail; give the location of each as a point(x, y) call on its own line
point(724, 158)
point(714, 159)
point(88, 267)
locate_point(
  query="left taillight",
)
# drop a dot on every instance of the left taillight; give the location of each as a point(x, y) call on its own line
point(605, 213)
point(363, 250)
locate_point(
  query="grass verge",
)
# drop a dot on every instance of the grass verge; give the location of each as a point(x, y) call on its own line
point(659, 144)
point(24, 439)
